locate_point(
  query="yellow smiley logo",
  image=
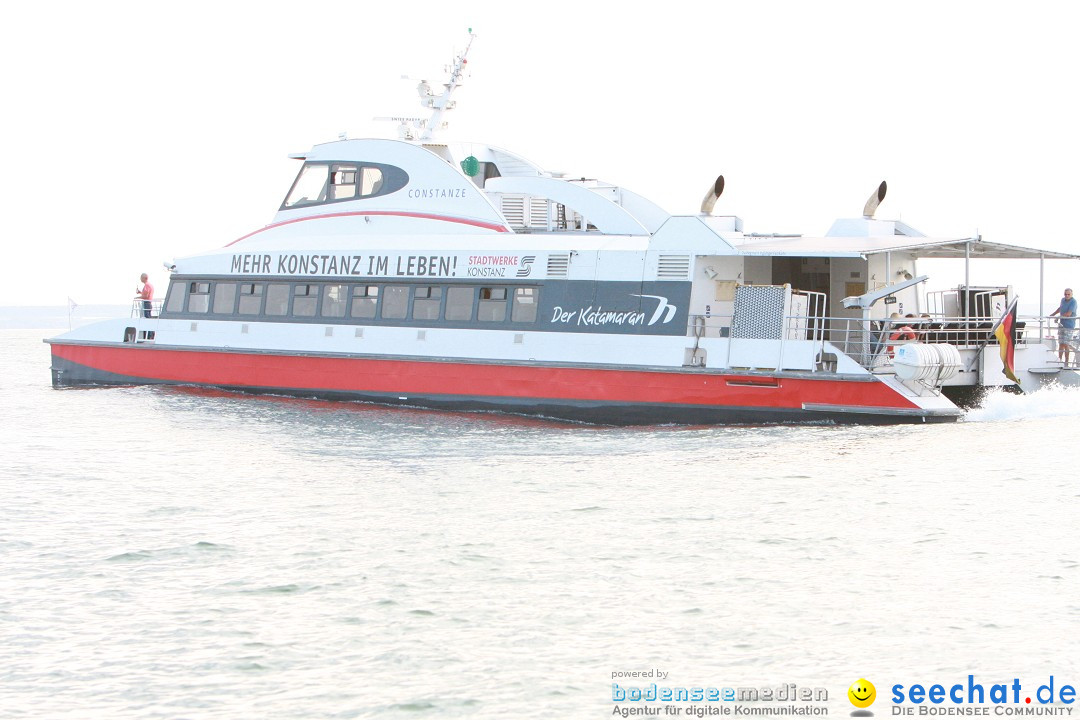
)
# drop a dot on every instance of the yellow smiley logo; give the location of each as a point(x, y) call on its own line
point(862, 693)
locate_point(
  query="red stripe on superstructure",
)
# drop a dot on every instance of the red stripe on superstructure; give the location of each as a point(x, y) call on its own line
point(425, 216)
point(417, 377)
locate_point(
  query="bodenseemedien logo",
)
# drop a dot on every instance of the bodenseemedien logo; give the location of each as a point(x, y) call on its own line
point(862, 695)
point(702, 700)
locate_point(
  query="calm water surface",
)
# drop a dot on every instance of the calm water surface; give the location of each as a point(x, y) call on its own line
point(172, 553)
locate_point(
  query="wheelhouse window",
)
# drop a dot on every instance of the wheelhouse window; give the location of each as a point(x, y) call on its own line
point(329, 182)
point(395, 304)
point(459, 304)
point(334, 300)
point(524, 305)
point(198, 297)
point(309, 187)
point(426, 301)
point(251, 295)
point(277, 299)
point(364, 300)
point(305, 298)
point(372, 181)
point(343, 182)
point(224, 298)
point(492, 304)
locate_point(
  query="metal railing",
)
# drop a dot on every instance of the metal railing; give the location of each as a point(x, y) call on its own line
point(145, 308)
point(871, 343)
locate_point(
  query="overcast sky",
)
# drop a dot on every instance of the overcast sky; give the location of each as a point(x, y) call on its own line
point(138, 132)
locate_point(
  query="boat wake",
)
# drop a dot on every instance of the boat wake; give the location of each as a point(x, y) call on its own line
point(1051, 401)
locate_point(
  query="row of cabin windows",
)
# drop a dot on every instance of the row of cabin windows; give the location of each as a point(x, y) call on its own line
point(359, 302)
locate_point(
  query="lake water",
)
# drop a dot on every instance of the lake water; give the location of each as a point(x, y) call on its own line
point(170, 553)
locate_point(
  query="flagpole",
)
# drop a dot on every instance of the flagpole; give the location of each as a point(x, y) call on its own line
point(990, 334)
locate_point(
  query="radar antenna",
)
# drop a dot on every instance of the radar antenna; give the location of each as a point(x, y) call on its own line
point(441, 104)
point(414, 128)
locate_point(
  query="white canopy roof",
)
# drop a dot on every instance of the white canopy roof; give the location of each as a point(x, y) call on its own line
point(862, 246)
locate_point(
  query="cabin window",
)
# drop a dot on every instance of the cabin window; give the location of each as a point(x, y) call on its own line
point(343, 182)
point(334, 299)
point(365, 298)
point(524, 305)
point(395, 304)
point(251, 295)
point(305, 297)
point(459, 302)
point(426, 301)
point(175, 303)
point(198, 297)
point(492, 304)
point(309, 187)
point(224, 298)
point(277, 299)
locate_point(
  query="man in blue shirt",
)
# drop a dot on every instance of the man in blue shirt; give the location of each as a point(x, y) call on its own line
point(1067, 331)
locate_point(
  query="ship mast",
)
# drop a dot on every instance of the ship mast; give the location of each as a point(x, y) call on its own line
point(415, 128)
point(441, 104)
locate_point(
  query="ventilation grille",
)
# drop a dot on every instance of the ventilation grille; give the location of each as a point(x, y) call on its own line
point(673, 266)
point(538, 212)
point(558, 265)
point(524, 212)
point(513, 209)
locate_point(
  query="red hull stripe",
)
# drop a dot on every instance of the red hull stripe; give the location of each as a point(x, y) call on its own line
point(417, 377)
point(427, 216)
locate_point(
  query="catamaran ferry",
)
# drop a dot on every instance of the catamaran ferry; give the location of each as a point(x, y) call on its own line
point(462, 276)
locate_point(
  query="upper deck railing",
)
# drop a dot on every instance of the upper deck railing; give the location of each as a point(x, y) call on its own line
point(145, 308)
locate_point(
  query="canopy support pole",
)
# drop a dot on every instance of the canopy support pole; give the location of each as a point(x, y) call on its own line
point(1042, 294)
point(967, 278)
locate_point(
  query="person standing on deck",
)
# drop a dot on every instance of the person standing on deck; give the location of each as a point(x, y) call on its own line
point(1067, 331)
point(901, 330)
point(146, 293)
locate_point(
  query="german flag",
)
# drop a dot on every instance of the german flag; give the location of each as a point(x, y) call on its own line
point(1005, 332)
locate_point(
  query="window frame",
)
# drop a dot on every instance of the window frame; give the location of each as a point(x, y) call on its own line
point(219, 285)
point(535, 304)
point(195, 291)
point(483, 303)
point(325, 301)
point(354, 295)
point(450, 291)
point(426, 299)
point(241, 295)
point(287, 310)
point(295, 296)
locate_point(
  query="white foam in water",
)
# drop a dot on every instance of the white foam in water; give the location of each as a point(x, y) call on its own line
point(1051, 401)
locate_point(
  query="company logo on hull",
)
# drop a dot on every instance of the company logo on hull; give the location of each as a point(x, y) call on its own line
point(661, 306)
point(525, 269)
point(598, 316)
